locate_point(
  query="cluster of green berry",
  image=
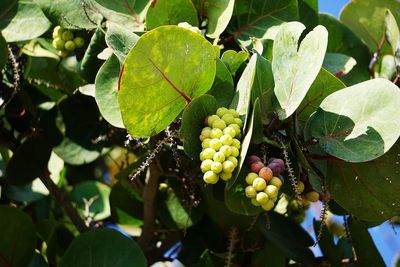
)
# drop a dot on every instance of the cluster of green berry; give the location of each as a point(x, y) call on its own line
point(297, 209)
point(306, 190)
point(264, 182)
point(221, 144)
point(65, 41)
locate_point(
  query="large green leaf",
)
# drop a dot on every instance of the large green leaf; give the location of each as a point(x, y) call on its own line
point(120, 40)
point(3, 52)
point(22, 20)
point(170, 12)
point(362, 131)
point(166, 68)
point(91, 199)
point(76, 154)
point(223, 86)
point(366, 18)
point(103, 247)
point(295, 66)
point(338, 64)
point(392, 31)
point(134, 9)
point(18, 238)
point(233, 60)
point(106, 93)
point(218, 13)
point(260, 19)
point(193, 122)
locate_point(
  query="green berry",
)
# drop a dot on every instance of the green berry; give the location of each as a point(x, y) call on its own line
point(234, 113)
point(236, 143)
point(259, 184)
point(250, 192)
point(250, 177)
point(268, 206)
point(272, 191)
point(235, 151)
point(206, 131)
point(63, 53)
point(236, 127)
point(228, 118)
point(226, 139)
point(233, 160)
point(79, 42)
point(276, 181)
point(58, 31)
point(300, 187)
point(226, 150)
point(58, 44)
point(206, 143)
point(210, 177)
point(228, 166)
point(70, 46)
point(206, 165)
point(239, 122)
point(255, 202)
point(225, 176)
point(219, 157)
point(216, 167)
point(67, 36)
point(215, 144)
point(222, 111)
point(230, 131)
point(312, 196)
point(211, 119)
point(216, 133)
point(262, 198)
point(220, 124)
point(208, 153)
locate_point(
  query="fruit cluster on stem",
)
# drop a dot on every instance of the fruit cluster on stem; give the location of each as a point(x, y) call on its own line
point(66, 42)
point(264, 182)
point(221, 145)
point(306, 190)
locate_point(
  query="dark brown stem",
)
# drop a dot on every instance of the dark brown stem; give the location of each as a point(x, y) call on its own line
point(375, 57)
point(61, 197)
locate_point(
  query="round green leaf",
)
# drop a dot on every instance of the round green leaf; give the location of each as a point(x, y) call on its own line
point(91, 198)
point(166, 69)
point(107, 91)
point(233, 60)
point(18, 238)
point(76, 154)
point(120, 40)
point(295, 66)
point(223, 86)
point(360, 131)
point(103, 247)
point(193, 122)
point(170, 12)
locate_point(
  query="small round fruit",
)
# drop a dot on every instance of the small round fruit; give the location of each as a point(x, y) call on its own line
point(208, 153)
point(271, 191)
point(222, 111)
point(235, 151)
point(225, 176)
point(276, 168)
point(206, 143)
point(67, 36)
point(234, 113)
point(276, 182)
point(58, 44)
point(266, 174)
point(230, 131)
point(228, 118)
point(206, 165)
point(216, 133)
point(219, 157)
point(220, 124)
point(58, 31)
point(300, 187)
point(228, 166)
point(268, 206)
point(239, 122)
point(210, 177)
point(206, 132)
point(262, 198)
point(216, 167)
point(250, 192)
point(236, 127)
point(236, 143)
point(255, 202)
point(233, 160)
point(79, 42)
point(280, 162)
point(226, 139)
point(250, 177)
point(215, 143)
point(257, 166)
point(63, 53)
point(312, 196)
point(259, 184)
point(211, 119)
point(227, 150)
point(70, 46)
point(250, 160)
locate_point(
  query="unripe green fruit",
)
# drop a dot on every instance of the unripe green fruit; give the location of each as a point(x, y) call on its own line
point(215, 144)
point(250, 177)
point(216, 133)
point(63, 53)
point(300, 187)
point(206, 132)
point(255, 202)
point(219, 157)
point(79, 42)
point(226, 139)
point(234, 113)
point(312, 196)
point(236, 127)
point(210, 177)
point(228, 118)
point(226, 150)
point(211, 119)
point(67, 36)
point(58, 44)
point(262, 198)
point(206, 165)
point(233, 160)
point(207, 153)
point(236, 143)
point(276, 181)
point(235, 151)
point(222, 111)
point(225, 176)
point(259, 184)
point(239, 122)
point(228, 166)
point(272, 191)
point(216, 167)
point(268, 206)
point(70, 46)
point(206, 143)
point(58, 31)
point(250, 192)
point(230, 131)
point(220, 124)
